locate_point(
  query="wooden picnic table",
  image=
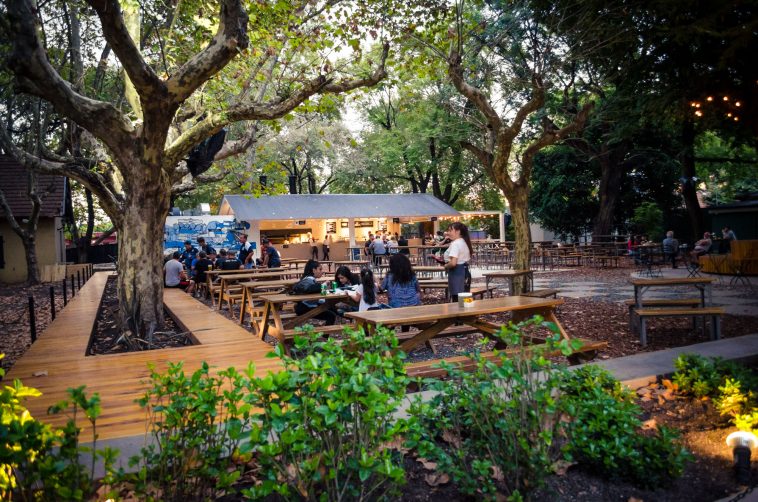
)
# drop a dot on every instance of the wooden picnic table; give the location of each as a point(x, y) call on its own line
point(351, 264)
point(272, 312)
point(511, 275)
point(251, 290)
point(703, 284)
point(433, 319)
point(227, 280)
point(294, 262)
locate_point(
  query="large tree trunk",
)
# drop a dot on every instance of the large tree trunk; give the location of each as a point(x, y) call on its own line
point(32, 266)
point(518, 201)
point(689, 187)
point(140, 255)
point(84, 242)
point(612, 173)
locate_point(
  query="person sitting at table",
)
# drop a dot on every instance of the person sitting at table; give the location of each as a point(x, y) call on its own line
point(220, 259)
point(345, 279)
point(701, 247)
point(231, 262)
point(671, 248)
point(401, 284)
point(199, 267)
point(174, 274)
point(366, 292)
point(402, 244)
point(728, 236)
point(271, 257)
point(457, 257)
point(309, 284)
point(378, 250)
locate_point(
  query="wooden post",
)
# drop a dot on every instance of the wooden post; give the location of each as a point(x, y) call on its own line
point(65, 300)
point(32, 321)
point(52, 301)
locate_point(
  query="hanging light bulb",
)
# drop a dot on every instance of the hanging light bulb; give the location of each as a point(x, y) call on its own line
point(726, 98)
point(736, 119)
point(709, 98)
point(737, 103)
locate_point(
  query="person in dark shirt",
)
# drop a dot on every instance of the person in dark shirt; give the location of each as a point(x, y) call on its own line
point(220, 259)
point(271, 258)
point(231, 262)
point(402, 244)
point(207, 248)
point(202, 265)
point(188, 255)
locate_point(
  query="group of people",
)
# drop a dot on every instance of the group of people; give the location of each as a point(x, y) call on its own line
point(703, 246)
point(325, 246)
point(380, 245)
point(400, 283)
point(187, 268)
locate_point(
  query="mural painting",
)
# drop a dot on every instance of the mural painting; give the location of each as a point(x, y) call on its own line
point(218, 231)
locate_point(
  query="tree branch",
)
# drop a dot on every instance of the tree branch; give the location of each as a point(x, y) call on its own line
point(455, 72)
point(34, 75)
point(213, 122)
point(144, 79)
point(230, 38)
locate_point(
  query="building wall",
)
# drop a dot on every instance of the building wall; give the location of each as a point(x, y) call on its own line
point(49, 249)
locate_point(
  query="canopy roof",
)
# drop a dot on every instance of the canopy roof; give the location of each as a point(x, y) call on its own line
point(334, 206)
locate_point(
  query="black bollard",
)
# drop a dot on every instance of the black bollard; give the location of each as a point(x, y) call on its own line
point(78, 281)
point(65, 300)
point(32, 322)
point(73, 291)
point(52, 301)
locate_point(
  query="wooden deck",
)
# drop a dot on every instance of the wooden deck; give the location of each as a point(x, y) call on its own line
point(120, 378)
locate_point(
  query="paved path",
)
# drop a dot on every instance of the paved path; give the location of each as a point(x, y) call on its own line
point(737, 300)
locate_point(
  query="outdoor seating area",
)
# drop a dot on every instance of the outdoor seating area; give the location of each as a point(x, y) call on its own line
point(379, 251)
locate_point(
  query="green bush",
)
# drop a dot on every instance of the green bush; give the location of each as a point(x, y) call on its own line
point(648, 217)
point(40, 462)
point(198, 424)
point(729, 384)
point(604, 434)
point(326, 422)
point(497, 423)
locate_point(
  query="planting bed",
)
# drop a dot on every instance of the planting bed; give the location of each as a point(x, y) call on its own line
point(106, 335)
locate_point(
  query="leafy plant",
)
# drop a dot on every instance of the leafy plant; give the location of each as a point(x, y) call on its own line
point(326, 421)
point(649, 218)
point(497, 423)
point(604, 431)
point(40, 462)
point(729, 384)
point(198, 424)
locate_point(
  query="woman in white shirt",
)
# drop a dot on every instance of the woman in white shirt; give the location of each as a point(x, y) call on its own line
point(457, 257)
point(365, 292)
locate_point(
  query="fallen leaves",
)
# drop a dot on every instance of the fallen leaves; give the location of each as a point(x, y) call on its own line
point(436, 478)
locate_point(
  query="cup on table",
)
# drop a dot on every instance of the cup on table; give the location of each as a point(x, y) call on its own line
point(465, 300)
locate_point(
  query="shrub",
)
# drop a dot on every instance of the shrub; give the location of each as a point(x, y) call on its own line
point(603, 432)
point(40, 462)
point(497, 423)
point(729, 385)
point(198, 424)
point(326, 422)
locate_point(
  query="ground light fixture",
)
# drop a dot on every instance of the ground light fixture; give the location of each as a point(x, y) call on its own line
point(741, 443)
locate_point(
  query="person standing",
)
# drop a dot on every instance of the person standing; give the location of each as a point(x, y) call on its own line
point(188, 255)
point(314, 247)
point(457, 257)
point(245, 254)
point(325, 247)
point(671, 248)
point(207, 248)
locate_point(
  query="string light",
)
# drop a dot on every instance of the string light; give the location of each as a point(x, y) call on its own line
point(698, 113)
point(737, 103)
point(709, 98)
point(726, 98)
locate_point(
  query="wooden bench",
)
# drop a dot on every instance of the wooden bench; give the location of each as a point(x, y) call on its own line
point(714, 313)
point(543, 293)
point(662, 302)
point(427, 369)
point(480, 291)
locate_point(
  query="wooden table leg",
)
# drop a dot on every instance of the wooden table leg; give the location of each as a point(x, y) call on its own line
point(242, 306)
point(426, 335)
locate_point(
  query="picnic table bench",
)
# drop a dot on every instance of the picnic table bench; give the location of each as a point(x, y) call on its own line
point(511, 275)
point(642, 309)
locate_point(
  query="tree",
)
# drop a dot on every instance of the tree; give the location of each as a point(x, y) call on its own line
point(167, 117)
point(504, 62)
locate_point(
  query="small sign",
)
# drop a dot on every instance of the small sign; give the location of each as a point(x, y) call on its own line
point(331, 227)
point(301, 222)
point(395, 220)
point(433, 218)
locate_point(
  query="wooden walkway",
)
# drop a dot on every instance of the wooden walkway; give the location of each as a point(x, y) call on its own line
point(121, 378)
